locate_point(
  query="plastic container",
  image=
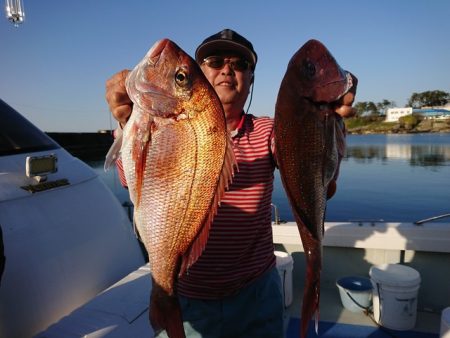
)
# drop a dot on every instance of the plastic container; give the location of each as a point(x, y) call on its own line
point(445, 323)
point(395, 289)
point(355, 292)
point(285, 265)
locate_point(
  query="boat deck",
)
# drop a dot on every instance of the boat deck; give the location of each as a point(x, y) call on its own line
point(122, 311)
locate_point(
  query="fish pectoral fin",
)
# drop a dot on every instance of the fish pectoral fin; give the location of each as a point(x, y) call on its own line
point(336, 151)
point(114, 152)
point(140, 152)
point(340, 137)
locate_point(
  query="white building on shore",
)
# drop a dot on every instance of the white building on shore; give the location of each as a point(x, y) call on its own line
point(393, 114)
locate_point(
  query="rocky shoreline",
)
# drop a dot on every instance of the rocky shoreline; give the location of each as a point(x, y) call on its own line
point(425, 126)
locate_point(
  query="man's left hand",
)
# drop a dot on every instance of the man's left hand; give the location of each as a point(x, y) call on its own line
point(343, 106)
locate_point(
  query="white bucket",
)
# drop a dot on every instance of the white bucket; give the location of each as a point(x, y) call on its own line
point(355, 292)
point(285, 265)
point(395, 289)
point(445, 323)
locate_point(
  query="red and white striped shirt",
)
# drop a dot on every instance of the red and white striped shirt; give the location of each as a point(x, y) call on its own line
point(240, 244)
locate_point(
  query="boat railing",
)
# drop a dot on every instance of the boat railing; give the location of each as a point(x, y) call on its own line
point(276, 215)
point(431, 219)
point(433, 237)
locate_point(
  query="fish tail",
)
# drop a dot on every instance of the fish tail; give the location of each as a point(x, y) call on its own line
point(316, 319)
point(311, 294)
point(165, 313)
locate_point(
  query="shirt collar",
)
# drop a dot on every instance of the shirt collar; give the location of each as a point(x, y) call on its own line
point(240, 126)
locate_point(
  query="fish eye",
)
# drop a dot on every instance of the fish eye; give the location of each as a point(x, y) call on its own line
point(181, 78)
point(310, 69)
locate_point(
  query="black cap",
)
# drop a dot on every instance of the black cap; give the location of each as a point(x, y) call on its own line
point(226, 40)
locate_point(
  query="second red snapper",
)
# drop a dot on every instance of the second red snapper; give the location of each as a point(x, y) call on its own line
point(177, 159)
point(309, 142)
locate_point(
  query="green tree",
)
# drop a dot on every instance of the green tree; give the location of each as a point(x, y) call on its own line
point(372, 109)
point(383, 105)
point(429, 98)
point(360, 108)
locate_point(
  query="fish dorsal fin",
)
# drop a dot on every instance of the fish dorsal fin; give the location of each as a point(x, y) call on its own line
point(225, 178)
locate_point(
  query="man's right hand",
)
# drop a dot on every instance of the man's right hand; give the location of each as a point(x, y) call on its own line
point(117, 97)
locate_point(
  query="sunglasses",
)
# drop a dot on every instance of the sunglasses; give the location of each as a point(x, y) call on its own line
point(218, 62)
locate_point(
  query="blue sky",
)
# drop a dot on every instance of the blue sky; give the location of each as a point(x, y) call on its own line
point(54, 66)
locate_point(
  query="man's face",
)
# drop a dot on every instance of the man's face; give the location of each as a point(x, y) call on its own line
point(230, 81)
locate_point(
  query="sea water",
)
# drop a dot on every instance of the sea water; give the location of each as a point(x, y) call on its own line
point(392, 178)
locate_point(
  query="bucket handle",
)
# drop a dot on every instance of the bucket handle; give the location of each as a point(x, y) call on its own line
point(284, 289)
point(354, 301)
point(379, 298)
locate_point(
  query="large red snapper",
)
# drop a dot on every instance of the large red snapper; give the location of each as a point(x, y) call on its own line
point(178, 160)
point(309, 142)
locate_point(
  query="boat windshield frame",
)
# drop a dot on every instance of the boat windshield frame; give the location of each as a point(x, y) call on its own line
point(18, 135)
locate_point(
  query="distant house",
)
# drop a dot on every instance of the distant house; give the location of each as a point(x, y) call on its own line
point(393, 114)
point(433, 113)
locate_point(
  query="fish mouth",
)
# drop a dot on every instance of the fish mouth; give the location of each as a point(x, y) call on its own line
point(334, 90)
point(149, 95)
point(157, 48)
point(152, 61)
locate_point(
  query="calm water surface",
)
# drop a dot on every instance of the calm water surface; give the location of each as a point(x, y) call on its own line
point(383, 177)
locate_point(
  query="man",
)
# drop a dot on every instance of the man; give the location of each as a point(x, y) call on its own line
point(233, 290)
